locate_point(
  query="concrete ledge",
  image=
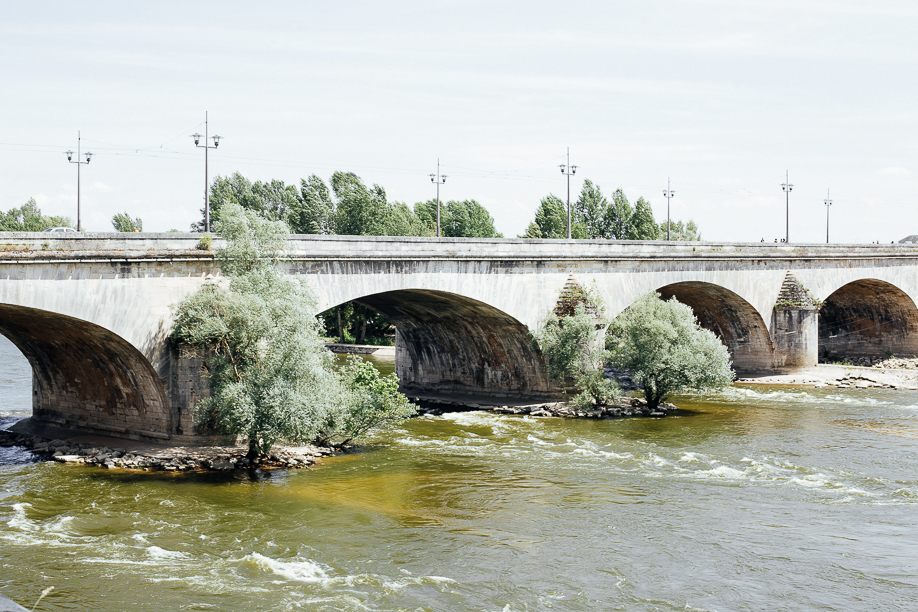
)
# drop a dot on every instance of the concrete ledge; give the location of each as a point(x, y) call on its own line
point(360, 349)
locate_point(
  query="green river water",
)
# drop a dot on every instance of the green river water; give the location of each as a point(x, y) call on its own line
point(753, 499)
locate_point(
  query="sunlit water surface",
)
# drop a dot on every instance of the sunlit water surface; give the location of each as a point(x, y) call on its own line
point(753, 499)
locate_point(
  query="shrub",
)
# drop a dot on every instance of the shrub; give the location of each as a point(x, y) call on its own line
point(660, 344)
point(205, 243)
point(573, 357)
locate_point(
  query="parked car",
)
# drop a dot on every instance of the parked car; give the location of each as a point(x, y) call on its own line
point(60, 229)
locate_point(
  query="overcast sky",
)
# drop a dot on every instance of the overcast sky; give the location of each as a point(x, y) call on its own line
point(720, 96)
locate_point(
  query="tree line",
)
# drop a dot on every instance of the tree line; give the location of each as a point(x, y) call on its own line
point(594, 216)
point(28, 218)
point(347, 206)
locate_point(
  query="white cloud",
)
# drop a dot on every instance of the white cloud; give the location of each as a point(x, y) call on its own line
point(894, 171)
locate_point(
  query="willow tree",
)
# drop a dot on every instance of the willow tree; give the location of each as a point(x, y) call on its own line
point(271, 377)
point(660, 344)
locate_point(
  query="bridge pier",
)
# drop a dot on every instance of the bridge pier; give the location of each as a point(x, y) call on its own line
point(795, 332)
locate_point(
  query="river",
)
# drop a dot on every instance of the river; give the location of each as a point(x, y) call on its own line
point(752, 499)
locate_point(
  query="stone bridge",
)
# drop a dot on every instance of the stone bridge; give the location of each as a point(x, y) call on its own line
point(92, 312)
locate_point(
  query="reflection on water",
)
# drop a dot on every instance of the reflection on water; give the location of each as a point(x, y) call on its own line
point(753, 499)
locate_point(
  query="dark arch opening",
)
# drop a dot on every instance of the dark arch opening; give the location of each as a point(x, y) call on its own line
point(738, 325)
point(86, 377)
point(868, 319)
point(454, 345)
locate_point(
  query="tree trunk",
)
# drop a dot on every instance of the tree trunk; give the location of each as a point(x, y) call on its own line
point(340, 325)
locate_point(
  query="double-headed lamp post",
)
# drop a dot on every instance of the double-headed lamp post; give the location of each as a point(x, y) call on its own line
point(828, 203)
point(79, 163)
point(787, 187)
point(439, 179)
point(568, 170)
point(206, 147)
point(667, 193)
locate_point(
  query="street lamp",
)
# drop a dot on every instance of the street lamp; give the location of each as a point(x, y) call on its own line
point(79, 163)
point(439, 179)
point(568, 173)
point(206, 147)
point(828, 203)
point(667, 193)
point(787, 187)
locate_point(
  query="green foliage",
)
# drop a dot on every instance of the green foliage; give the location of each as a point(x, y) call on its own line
point(272, 200)
point(378, 403)
point(618, 215)
point(680, 231)
point(465, 219)
point(643, 225)
point(28, 218)
point(551, 221)
point(573, 357)
point(271, 377)
point(593, 216)
point(349, 207)
point(354, 323)
point(590, 210)
point(205, 243)
point(316, 211)
point(122, 222)
point(660, 344)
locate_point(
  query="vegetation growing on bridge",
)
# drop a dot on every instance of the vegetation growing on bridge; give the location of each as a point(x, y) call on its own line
point(271, 377)
point(660, 344)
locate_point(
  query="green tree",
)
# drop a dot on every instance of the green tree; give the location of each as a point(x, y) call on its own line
point(272, 199)
point(122, 222)
point(28, 218)
point(271, 377)
point(551, 221)
point(458, 219)
point(681, 231)
point(660, 344)
point(590, 210)
point(643, 225)
point(315, 213)
point(618, 216)
point(378, 403)
point(574, 357)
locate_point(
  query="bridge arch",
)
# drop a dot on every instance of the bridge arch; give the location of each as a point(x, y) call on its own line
point(734, 320)
point(868, 318)
point(85, 376)
point(451, 344)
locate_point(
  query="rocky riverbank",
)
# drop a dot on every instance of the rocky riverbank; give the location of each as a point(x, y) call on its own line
point(843, 377)
point(170, 459)
point(626, 407)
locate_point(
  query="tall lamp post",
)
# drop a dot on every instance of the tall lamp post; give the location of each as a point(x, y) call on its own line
point(206, 147)
point(439, 179)
point(787, 187)
point(828, 203)
point(568, 173)
point(79, 163)
point(668, 193)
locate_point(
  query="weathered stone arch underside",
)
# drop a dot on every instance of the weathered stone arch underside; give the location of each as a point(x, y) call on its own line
point(450, 344)
point(85, 376)
point(735, 321)
point(867, 318)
